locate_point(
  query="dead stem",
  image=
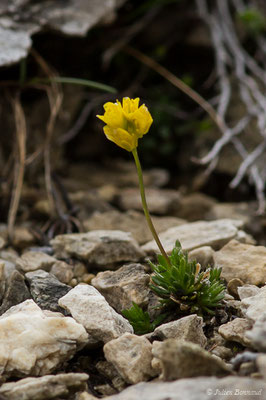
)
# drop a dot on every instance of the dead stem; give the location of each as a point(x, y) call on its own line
point(169, 76)
point(19, 168)
point(55, 97)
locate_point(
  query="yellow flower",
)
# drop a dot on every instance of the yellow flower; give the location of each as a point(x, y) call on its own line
point(126, 122)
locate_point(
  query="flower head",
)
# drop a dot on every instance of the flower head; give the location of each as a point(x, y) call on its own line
point(126, 122)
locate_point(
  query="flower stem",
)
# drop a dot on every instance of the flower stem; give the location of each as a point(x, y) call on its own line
point(145, 206)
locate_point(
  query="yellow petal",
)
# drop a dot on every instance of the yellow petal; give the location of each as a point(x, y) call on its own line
point(121, 137)
point(142, 121)
point(113, 115)
point(130, 105)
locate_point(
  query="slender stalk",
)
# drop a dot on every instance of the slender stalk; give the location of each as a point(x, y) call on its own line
point(22, 71)
point(145, 206)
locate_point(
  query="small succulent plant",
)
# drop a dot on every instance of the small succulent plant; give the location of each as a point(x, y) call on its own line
point(183, 283)
point(140, 320)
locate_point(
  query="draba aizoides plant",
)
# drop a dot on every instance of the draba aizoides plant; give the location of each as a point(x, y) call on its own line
point(182, 282)
point(175, 280)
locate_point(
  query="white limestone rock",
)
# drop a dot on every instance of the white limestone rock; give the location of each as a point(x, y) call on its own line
point(44, 388)
point(14, 45)
point(89, 308)
point(243, 261)
point(257, 335)
point(131, 356)
point(20, 19)
point(197, 234)
point(254, 306)
point(247, 291)
point(35, 342)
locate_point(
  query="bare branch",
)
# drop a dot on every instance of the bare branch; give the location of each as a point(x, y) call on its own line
point(253, 156)
point(232, 61)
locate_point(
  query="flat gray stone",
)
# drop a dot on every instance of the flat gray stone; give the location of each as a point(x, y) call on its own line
point(102, 248)
point(187, 328)
point(16, 291)
point(33, 260)
point(44, 388)
point(46, 289)
point(197, 234)
point(120, 288)
point(89, 308)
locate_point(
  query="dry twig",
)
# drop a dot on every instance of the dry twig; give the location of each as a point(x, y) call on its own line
point(20, 156)
point(55, 98)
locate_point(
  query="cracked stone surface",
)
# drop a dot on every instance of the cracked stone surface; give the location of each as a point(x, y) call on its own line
point(90, 309)
point(35, 342)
